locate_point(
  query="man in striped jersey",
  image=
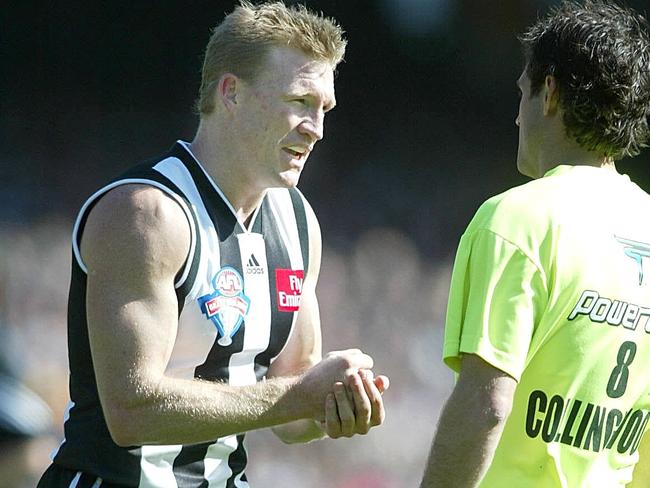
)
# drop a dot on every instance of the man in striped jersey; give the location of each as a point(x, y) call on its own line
point(192, 312)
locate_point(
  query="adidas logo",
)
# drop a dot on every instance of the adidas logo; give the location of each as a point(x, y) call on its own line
point(253, 266)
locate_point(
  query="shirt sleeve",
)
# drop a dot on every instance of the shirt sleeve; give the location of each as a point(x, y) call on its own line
point(497, 293)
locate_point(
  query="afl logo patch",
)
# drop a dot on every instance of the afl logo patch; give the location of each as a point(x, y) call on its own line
point(227, 305)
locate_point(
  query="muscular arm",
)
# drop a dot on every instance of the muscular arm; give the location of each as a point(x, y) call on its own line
point(470, 426)
point(135, 241)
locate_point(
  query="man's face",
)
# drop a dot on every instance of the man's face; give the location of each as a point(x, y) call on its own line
point(529, 120)
point(280, 116)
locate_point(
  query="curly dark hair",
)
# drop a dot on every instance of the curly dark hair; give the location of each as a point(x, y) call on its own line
point(599, 54)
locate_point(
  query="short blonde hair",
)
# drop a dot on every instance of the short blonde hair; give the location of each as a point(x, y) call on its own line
point(239, 44)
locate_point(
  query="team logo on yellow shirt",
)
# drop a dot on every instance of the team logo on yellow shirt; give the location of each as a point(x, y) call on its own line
point(637, 251)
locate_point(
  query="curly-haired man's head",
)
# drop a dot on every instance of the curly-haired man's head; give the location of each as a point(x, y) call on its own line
point(599, 54)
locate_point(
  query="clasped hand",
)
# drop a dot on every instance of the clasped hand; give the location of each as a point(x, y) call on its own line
point(353, 403)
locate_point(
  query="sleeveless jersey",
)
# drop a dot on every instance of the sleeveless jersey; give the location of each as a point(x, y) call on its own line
point(551, 284)
point(238, 298)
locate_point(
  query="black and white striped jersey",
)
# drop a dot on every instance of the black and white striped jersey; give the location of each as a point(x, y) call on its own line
point(238, 297)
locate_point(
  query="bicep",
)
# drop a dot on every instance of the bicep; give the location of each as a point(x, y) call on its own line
point(486, 387)
point(131, 303)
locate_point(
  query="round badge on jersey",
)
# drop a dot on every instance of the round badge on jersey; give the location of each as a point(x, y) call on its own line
point(227, 305)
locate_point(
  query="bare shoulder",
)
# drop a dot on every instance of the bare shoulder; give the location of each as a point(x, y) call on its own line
point(138, 224)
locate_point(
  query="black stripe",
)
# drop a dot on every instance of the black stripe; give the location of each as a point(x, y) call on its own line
point(237, 462)
point(303, 229)
point(86, 480)
point(189, 466)
point(277, 256)
point(222, 217)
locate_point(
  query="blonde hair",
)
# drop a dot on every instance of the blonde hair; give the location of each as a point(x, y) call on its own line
point(239, 44)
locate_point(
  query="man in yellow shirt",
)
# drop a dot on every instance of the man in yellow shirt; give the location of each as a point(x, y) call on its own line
point(548, 323)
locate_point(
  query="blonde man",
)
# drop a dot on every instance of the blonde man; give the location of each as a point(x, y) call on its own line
point(215, 228)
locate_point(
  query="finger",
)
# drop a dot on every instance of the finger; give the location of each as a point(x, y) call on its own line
point(378, 413)
point(345, 413)
point(362, 407)
point(332, 424)
point(382, 383)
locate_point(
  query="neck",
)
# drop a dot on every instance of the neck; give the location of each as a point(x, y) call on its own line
point(213, 148)
point(570, 153)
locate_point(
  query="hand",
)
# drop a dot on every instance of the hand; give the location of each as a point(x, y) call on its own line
point(317, 382)
point(357, 408)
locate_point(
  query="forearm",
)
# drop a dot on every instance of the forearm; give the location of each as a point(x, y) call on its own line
point(463, 446)
point(177, 411)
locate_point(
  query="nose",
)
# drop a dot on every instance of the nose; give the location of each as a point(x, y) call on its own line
point(312, 127)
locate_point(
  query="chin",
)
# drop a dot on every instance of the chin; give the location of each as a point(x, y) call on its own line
point(289, 179)
point(524, 169)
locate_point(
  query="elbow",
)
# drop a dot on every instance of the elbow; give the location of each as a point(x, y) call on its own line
point(497, 416)
point(130, 414)
point(124, 427)
point(129, 419)
point(496, 412)
point(298, 432)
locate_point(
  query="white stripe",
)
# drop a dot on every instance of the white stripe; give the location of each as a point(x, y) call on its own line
point(157, 466)
point(216, 470)
point(66, 417)
point(258, 319)
point(173, 169)
point(238, 481)
point(75, 480)
point(282, 208)
point(129, 181)
point(97, 483)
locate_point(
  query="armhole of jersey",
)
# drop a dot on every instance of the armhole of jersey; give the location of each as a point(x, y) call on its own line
point(80, 223)
point(299, 203)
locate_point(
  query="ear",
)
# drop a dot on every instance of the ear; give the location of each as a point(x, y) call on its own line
point(551, 95)
point(227, 91)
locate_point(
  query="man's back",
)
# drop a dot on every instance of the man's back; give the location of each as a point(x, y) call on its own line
point(583, 400)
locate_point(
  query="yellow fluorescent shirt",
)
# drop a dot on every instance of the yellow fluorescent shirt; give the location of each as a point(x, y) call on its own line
point(551, 284)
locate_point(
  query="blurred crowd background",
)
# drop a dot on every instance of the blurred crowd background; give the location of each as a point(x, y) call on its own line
point(423, 133)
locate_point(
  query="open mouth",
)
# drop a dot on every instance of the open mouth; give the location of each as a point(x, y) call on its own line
point(297, 152)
